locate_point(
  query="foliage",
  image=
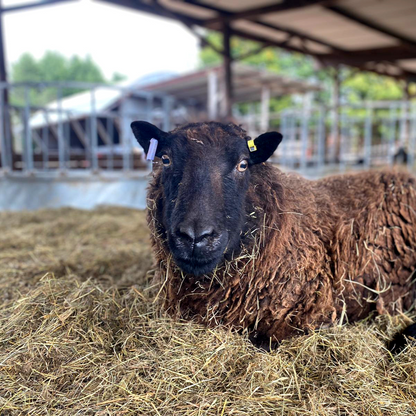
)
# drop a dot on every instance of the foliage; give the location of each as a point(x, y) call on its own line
point(364, 86)
point(356, 86)
point(52, 67)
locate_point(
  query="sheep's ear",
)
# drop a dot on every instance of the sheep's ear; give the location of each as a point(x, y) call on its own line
point(144, 131)
point(263, 147)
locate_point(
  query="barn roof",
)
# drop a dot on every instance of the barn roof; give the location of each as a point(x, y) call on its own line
point(190, 87)
point(376, 35)
point(248, 84)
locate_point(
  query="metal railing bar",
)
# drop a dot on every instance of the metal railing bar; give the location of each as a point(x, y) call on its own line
point(3, 147)
point(61, 144)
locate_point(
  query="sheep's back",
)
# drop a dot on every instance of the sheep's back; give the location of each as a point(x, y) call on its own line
point(374, 242)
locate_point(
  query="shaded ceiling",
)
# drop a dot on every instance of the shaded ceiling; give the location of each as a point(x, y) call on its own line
point(375, 35)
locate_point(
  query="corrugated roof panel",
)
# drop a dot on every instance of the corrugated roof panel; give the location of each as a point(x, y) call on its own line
point(188, 9)
point(259, 30)
point(352, 25)
point(78, 105)
point(248, 82)
point(309, 46)
point(396, 15)
point(334, 29)
point(375, 8)
point(409, 64)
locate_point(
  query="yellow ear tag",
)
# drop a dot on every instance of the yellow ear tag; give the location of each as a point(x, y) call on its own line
point(251, 146)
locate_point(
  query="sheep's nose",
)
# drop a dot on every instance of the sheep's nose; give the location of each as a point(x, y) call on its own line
point(196, 235)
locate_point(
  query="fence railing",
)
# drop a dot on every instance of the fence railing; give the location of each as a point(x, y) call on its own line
point(369, 135)
point(88, 131)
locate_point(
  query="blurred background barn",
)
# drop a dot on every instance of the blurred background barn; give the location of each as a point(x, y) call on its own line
point(337, 78)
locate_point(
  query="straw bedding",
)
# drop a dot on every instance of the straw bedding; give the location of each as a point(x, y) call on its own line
point(81, 334)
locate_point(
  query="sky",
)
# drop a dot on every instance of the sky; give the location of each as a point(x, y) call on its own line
point(118, 39)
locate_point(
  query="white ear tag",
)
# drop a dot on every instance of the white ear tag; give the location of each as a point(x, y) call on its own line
point(152, 149)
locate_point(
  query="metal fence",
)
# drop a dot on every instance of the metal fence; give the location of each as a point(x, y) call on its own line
point(360, 136)
point(85, 132)
point(89, 132)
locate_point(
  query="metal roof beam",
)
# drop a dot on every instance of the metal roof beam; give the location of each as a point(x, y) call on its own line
point(256, 11)
point(389, 54)
point(299, 35)
point(357, 59)
point(32, 5)
point(156, 8)
point(330, 59)
point(253, 17)
point(283, 44)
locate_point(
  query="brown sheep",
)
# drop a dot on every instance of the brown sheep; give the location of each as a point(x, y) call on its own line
point(240, 243)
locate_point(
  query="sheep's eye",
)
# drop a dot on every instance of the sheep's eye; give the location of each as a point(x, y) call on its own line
point(242, 166)
point(166, 160)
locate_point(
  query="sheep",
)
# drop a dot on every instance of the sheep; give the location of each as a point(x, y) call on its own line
point(240, 243)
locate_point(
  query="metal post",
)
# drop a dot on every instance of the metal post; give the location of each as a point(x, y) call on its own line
point(265, 108)
point(110, 133)
point(405, 122)
point(167, 108)
point(88, 163)
point(3, 72)
point(149, 107)
point(61, 143)
point(304, 138)
point(385, 139)
point(336, 106)
point(321, 138)
point(412, 141)
point(94, 136)
point(403, 125)
point(3, 147)
point(251, 127)
point(391, 135)
point(368, 136)
point(48, 124)
point(124, 138)
point(67, 141)
point(7, 146)
point(212, 95)
point(228, 87)
point(283, 124)
point(28, 148)
point(292, 130)
point(45, 140)
point(344, 137)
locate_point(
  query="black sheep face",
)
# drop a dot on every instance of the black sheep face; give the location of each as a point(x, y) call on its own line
point(205, 178)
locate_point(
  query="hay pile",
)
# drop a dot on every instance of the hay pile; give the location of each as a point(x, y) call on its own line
point(80, 335)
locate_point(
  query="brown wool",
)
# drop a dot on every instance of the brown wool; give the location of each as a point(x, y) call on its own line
point(325, 251)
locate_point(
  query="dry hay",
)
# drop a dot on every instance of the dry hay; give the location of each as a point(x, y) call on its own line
point(80, 335)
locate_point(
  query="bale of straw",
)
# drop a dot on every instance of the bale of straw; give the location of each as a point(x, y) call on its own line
point(80, 334)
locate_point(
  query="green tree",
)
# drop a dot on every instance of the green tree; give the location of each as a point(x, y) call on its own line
point(26, 69)
point(356, 86)
point(52, 67)
point(273, 59)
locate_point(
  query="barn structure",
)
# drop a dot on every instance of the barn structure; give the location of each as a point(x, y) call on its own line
point(168, 102)
point(370, 35)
